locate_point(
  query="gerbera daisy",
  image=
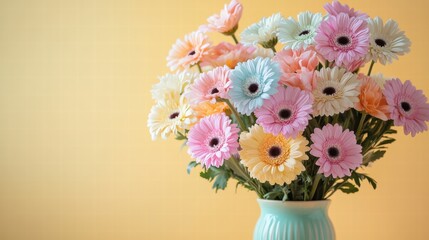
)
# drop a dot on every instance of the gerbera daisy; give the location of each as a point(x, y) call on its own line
point(171, 86)
point(379, 79)
point(275, 159)
point(209, 86)
point(408, 107)
point(228, 54)
point(264, 32)
point(188, 51)
point(168, 117)
point(336, 91)
point(387, 41)
point(212, 140)
point(298, 67)
point(286, 112)
point(335, 8)
point(206, 108)
point(253, 82)
point(371, 98)
point(342, 39)
point(337, 151)
point(227, 21)
point(299, 34)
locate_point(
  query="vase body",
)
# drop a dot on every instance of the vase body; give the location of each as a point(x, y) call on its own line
point(294, 220)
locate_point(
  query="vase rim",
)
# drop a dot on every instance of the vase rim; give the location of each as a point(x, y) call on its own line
point(299, 204)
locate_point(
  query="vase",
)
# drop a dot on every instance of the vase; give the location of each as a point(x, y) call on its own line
point(294, 220)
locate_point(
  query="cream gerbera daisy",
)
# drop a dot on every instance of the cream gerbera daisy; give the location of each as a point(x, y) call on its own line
point(171, 86)
point(168, 117)
point(336, 91)
point(387, 41)
point(264, 32)
point(275, 159)
point(299, 34)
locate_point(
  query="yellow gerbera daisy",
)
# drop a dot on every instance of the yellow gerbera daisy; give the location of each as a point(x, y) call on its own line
point(271, 158)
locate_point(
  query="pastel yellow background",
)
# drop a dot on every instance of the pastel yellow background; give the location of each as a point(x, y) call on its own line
point(76, 159)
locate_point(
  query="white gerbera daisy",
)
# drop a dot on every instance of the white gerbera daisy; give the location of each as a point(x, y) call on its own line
point(379, 79)
point(299, 34)
point(387, 41)
point(171, 86)
point(336, 91)
point(264, 32)
point(271, 158)
point(168, 117)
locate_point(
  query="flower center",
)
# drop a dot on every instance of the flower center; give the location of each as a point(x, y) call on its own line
point(333, 152)
point(214, 142)
point(285, 114)
point(305, 32)
point(191, 53)
point(343, 40)
point(253, 88)
point(214, 91)
point(174, 115)
point(405, 106)
point(380, 42)
point(329, 91)
point(274, 151)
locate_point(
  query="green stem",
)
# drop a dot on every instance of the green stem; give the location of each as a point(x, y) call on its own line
point(315, 184)
point(362, 120)
point(236, 114)
point(199, 68)
point(235, 38)
point(274, 49)
point(235, 164)
point(370, 67)
point(335, 189)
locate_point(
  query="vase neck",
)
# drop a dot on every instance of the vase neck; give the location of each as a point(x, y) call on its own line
point(293, 207)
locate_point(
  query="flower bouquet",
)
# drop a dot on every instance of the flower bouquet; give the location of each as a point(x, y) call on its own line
point(287, 110)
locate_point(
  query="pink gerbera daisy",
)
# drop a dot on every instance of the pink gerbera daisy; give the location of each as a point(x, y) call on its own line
point(335, 8)
point(228, 54)
point(298, 67)
point(287, 112)
point(408, 107)
point(212, 140)
point(210, 85)
point(227, 21)
point(336, 150)
point(343, 39)
point(188, 52)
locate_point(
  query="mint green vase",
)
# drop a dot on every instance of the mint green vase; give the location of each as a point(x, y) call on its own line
point(294, 220)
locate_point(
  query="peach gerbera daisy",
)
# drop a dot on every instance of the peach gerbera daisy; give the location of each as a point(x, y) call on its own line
point(207, 108)
point(371, 99)
point(228, 54)
point(188, 51)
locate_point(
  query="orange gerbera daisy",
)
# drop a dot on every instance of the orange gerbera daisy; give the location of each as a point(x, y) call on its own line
point(371, 99)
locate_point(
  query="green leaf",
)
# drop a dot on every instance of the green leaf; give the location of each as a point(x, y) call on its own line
point(180, 136)
point(373, 156)
point(348, 188)
point(219, 175)
point(355, 176)
point(386, 141)
point(190, 166)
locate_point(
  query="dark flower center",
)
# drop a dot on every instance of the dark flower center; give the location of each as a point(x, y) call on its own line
point(285, 113)
point(343, 40)
point(333, 152)
point(305, 32)
point(174, 115)
point(380, 42)
point(274, 151)
point(191, 53)
point(405, 106)
point(329, 91)
point(214, 142)
point(214, 90)
point(253, 88)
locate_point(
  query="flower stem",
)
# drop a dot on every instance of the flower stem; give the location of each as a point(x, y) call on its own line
point(199, 68)
point(236, 114)
point(362, 120)
point(235, 38)
point(274, 49)
point(315, 184)
point(370, 67)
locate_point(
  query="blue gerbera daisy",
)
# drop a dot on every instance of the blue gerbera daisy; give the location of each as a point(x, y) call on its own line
point(252, 82)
